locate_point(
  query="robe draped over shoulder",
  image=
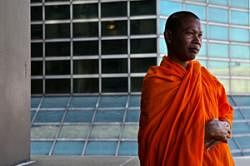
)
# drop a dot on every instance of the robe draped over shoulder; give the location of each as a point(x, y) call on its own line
point(176, 104)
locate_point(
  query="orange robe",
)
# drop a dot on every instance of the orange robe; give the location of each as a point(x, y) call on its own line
point(175, 106)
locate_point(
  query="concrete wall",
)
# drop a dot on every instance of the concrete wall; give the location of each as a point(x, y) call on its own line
point(14, 81)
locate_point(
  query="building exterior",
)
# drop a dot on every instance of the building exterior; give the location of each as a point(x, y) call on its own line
point(95, 53)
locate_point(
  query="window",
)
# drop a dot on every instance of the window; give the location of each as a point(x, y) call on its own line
point(238, 17)
point(57, 49)
point(217, 32)
point(85, 11)
point(36, 31)
point(240, 3)
point(36, 13)
point(114, 66)
point(57, 86)
point(163, 46)
point(218, 67)
point(86, 85)
point(217, 50)
point(35, 1)
point(240, 86)
point(136, 84)
point(143, 26)
point(57, 12)
point(217, 15)
point(241, 35)
point(114, 9)
point(114, 47)
point(85, 48)
point(36, 49)
point(200, 11)
point(141, 65)
point(36, 86)
point(57, 67)
point(167, 8)
point(143, 46)
point(115, 84)
point(219, 2)
point(142, 7)
point(36, 68)
point(114, 28)
point(240, 69)
point(89, 29)
point(238, 51)
point(86, 66)
point(57, 31)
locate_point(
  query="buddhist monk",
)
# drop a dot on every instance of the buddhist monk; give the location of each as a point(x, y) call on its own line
point(185, 119)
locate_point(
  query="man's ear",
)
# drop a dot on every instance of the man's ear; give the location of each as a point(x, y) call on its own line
point(168, 35)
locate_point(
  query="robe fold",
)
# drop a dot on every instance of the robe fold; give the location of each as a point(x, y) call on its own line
point(176, 104)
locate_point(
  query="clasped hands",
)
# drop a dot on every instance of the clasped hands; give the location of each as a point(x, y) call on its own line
point(216, 131)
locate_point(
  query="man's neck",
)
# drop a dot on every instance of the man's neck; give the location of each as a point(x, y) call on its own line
point(182, 63)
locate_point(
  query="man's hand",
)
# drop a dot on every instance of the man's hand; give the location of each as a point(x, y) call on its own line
point(216, 131)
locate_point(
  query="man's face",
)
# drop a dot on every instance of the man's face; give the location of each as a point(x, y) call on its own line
point(187, 39)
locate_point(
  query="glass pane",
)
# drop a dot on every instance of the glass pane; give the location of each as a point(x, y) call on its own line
point(57, 12)
point(40, 147)
point(74, 131)
point(130, 131)
point(217, 15)
point(167, 8)
point(241, 128)
point(114, 65)
point(240, 69)
point(89, 29)
point(57, 67)
point(136, 84)
point(242, 100)
point(128, 148)
point(217, 50)
point(54, 102)
point(238, 114)
point(49, 116)
point(36, 31)
point(85, 11)
point(142, 7)
point(203, 50)
point(43, 132)
point(243, 142)
point(114, 47)
point(86, 66)
point(55, 0)
point(113, 101)
point(36, 49)
point(143, 46)
point(134, 101)
point(245, 112)
point(114, 28)
point(79, 116)
point(239, 3)
point(238, 17)
point(109, 116)
point(36, 86)
point(240, 86)
point(36, 68)
point(32, 1)
point(218, 67)
point(57, 86)
point(200, 11)
point(217, 32)
point(238, 51)
point(57, 49)
point(232, 144)
point(115, 84)
point(114, 9)
point(85, 48)
point(36, 13)
point(238, 34)
point(57, 31)
point(68, 148)
point(141, 65)
point(106, 132)
point(219, 2)
point(83, 101)
point(101, 148)
point(35, 101)
point(143, 27)
point(86, 85)
point(133, 115)
point(163, 46)
point(162, 25)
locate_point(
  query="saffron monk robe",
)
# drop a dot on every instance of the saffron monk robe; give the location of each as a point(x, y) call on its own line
point(185, 116)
